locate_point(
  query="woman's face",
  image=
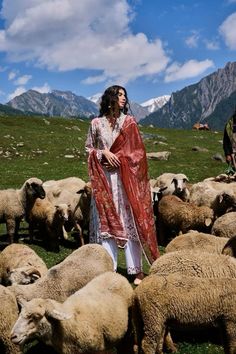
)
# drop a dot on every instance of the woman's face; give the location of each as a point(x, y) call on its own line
point(121, 98)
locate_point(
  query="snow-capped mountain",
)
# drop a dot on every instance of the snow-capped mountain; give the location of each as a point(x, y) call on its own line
point(155, 103)
point(95, 98)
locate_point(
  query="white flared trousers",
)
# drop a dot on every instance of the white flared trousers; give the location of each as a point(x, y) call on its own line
point(133, 254)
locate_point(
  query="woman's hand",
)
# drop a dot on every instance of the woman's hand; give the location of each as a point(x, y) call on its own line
point(112, 161)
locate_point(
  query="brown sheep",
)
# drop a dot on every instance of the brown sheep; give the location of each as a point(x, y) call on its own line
point(178, 216)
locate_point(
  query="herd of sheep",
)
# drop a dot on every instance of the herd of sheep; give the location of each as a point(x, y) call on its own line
point(81, 306)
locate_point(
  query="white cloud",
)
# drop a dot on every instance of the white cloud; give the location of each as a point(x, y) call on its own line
point(86, 34)
point(12, 75)
point(212, 45)
point(22, 80)
point(192, 41)
point(227, 30)
point(187, 70)
point(42, 89)
point(18, 91)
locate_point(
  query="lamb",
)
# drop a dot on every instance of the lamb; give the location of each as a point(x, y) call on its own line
point(19, 264)
point(16, 203)
point(181, 301)
point(65, 278)
point(8, 316)
point(175, 215)
point(93, 319)
point(79, 209)
point(225, 225)
point(49, 219)
point(176, 184)
point(78, 199)
point(194, 240)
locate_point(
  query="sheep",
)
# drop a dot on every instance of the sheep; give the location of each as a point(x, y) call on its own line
point(93, 319)
point(16, 203)
point(19, 264)
point(194, 240)
point(177, 301)
point(176, 215)
point(79, 201)
point(218, 196)
point(225, 225)
point(54, 187)
point(80, 214)
point(65, 278)
point(195, 263)
point(8, 316)
point(175, 183)
point(49, 219)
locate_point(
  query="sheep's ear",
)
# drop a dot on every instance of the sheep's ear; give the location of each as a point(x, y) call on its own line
point(80, 191)
point(58, 315)
point(208, 221)
point(21, 301)
point(33, 273)
point(221, 197)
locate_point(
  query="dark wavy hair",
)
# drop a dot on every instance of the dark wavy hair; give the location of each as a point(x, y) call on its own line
point(109, 102)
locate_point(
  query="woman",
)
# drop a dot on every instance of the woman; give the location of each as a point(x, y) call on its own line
point(121, 210)
point(229, 142)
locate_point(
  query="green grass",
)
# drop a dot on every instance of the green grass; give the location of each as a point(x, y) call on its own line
point(36, 146)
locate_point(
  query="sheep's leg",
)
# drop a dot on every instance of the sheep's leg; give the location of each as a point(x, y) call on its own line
point(230, 337)
point(153, 338)
point(10, 225)
point(31, 232)
point(17, 227)
point(79, 229)
point(64, 233)
point(168, 343)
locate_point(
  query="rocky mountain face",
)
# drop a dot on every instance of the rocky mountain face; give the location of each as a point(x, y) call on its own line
point(211, 100)
point(56, 103)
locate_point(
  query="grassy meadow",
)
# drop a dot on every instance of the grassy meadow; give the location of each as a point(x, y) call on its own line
point(53, 148)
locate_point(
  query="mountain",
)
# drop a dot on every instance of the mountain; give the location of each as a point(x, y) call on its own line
point(5, 110)
point(155, 103)
point(211, 100)
point(56, 103)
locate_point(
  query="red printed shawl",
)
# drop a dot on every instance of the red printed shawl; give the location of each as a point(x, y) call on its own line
point(130, 150)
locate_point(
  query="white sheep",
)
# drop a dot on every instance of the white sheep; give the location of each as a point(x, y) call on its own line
point(8, 316)
point(173, 183)
point(175, 301)
point(65, 278)
point(16, 203)
point(19, 264)
point(175, 215)
point(225, 225)
point(195, 263)
point(194, 240)
point(93, 319)
point(218, 196)
point(54, 187)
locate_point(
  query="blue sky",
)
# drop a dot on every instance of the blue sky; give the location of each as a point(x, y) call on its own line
point(151, 47)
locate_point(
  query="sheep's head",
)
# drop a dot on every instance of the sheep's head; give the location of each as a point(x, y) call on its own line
point(31, 322)
point(23, 275)
point(34, 320)
point(34, 188)
point(179, 182)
